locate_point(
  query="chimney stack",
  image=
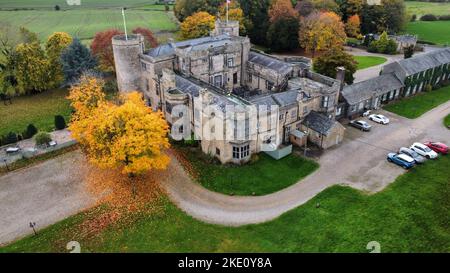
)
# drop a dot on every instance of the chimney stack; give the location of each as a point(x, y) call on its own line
point(340, 75)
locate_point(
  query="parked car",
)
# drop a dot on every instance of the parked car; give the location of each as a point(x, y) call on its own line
point(402, 160)
point(438, 147)
point(360, 124)
point(423, 150)
point(379, 119)
point(418, 158)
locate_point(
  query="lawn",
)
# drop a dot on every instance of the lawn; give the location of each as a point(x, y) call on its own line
point(422, 8)
point(436, 32)
point(39, 109)
point(411, 215)
point(85, 4)
point(368, 61)
point(264, 176)
point(415, 106)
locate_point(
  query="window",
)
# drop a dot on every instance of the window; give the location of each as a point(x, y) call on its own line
point(147, 85)
point(180, 129)
point(168, 108)
point(338, 111)
point(250, 79)
point(325, 101)
point(235, 78)
point(217, 151)
point(144, 66)
point(230, 62)
point(241, 152)
point(218, 80)
point(294, 113)
point(305, 110)
point(281, 116)
point(269, 85)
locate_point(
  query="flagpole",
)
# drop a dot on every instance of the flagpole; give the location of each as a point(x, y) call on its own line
point(227, 10)
point(124, 24)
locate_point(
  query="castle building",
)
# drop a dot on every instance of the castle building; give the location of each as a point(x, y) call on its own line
point(236, 101)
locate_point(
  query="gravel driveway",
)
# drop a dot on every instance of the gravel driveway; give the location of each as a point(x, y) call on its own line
point(53, 190)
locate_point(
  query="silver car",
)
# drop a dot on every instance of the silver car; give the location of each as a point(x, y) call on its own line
point(411, 153)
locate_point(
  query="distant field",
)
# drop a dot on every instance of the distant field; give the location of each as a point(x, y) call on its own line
point(437, 32)
point(46, 4)
point(85, 23)
point(421, 8)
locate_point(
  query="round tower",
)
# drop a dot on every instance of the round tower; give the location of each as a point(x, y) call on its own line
point(223, 27)
point(127, 61)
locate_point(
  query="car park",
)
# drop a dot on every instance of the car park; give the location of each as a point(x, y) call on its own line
point(438, 147)
point(423, 150)
point(401, 160)
point(361, 124)
point(378, 118)
point(409, 152)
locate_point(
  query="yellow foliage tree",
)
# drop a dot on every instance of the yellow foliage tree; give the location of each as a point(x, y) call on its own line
point(126, 136)
point(235, 13)
point(352, 27)
point(197, 25)
point(55, 45)
point(321, 31)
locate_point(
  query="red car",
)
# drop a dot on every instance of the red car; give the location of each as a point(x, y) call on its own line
point(438, 147)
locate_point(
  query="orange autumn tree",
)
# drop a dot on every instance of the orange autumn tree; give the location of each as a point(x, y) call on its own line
point(281, 9)
point(235, 13)
point(127, 136)
point(352, 27)
point(321, 31)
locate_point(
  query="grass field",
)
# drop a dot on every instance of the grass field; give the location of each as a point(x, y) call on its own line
point(85, 23)
point(84, 4)
point(368, 61)
point(415, 106)
point(436, 32)
point(38, 109)
point(264, 176)
point(422, 8)
point(411, 215)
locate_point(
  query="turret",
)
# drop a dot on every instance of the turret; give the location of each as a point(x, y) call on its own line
point(127, 61)
point(223, 27)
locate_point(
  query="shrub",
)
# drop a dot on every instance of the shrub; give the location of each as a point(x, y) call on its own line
point(57, 7)
point(30, 131)
point(42, 138)
point(444, 17)
point(60, 123)
point(413, 18)
point(11, 137)
point(428, 88)
point(429, 17)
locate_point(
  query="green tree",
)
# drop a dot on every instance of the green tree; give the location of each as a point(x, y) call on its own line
point(348, 8)
point(395, 15)
point(408, 51)
point(283, 34)
point(327, 63)
point(76, 59)
point(257, 12)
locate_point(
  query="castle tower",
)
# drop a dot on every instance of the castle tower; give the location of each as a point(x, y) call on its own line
point(223, 27)
point(127, 61)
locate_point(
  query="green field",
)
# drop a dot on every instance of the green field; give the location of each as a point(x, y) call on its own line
point(421, 8)
point(437, 32)
point(411, 215)
point(368, 61)
point(85, 23)
point(415, 106)
point(264, 176)
point(38, 109)
point(84, 4)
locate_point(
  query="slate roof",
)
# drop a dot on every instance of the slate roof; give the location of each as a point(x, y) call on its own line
point(195, 44)
point(280, 99)
point(187, 86)
point(269, 62)
point(419, 63)
point(364, 90)
point(319, 123)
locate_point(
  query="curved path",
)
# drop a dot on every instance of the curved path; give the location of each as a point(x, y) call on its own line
point(358, 162)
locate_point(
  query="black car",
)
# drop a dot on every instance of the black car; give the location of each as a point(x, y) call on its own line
point(360, 124)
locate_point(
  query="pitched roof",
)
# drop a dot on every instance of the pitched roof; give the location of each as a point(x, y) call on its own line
point(420, 62)
point(187, 86)
point(269, 62)
point(319, 123)
point(364, 90)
